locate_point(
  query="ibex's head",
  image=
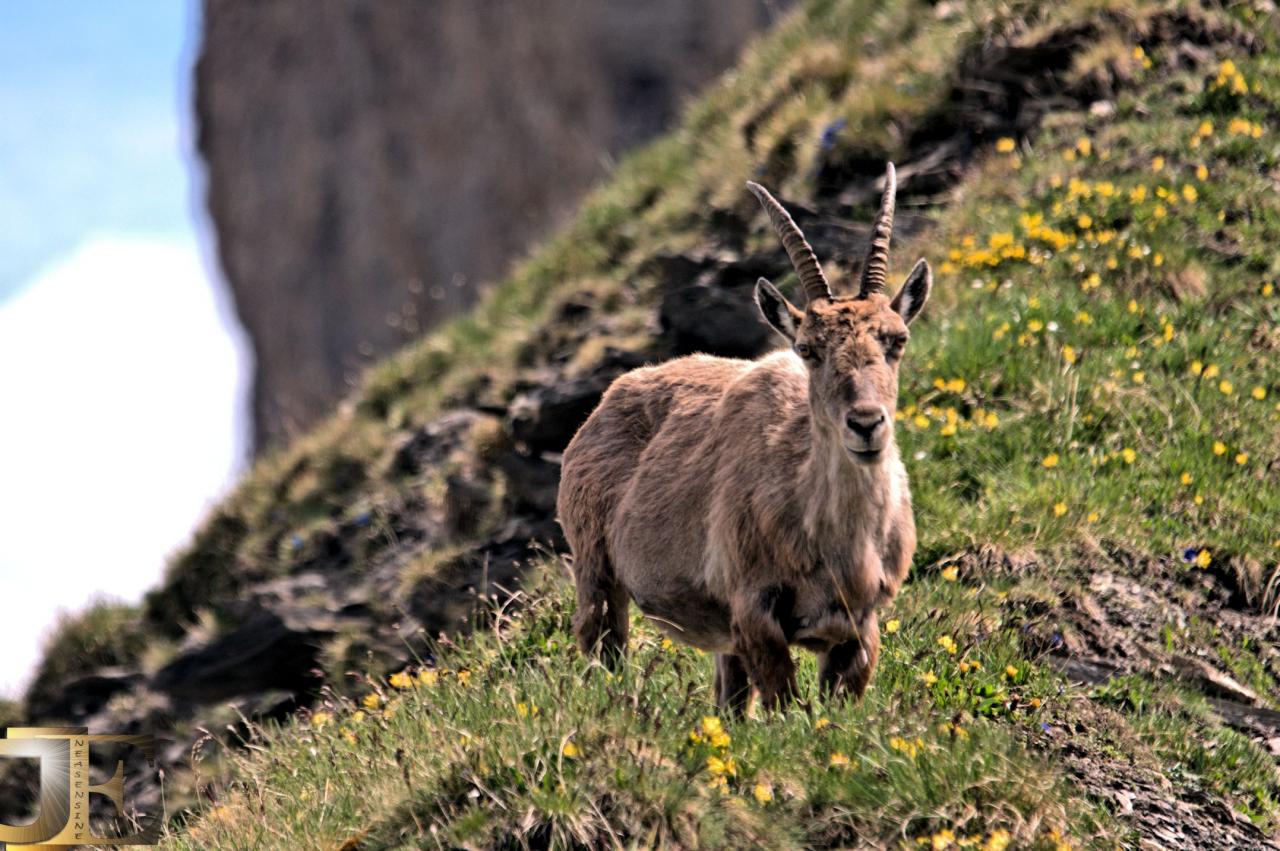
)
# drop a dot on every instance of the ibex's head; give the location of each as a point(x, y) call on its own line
point(852, 344)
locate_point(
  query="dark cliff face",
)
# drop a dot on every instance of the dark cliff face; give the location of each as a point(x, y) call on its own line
point(370, 162)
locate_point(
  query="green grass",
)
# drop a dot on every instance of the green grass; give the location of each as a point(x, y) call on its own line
point(105, 633)
point(517, 728)
point(1061, 403)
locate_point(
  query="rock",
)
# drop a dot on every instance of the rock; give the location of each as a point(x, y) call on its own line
point(264, 652)
point(82, 696)
point(545, 418)
point(532, 483)
point(449, 598)
point(714, 321)
point(429, 444)
point(466, 502)
point(415, 149)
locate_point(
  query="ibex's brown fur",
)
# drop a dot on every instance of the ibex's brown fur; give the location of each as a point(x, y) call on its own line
point(750, 505)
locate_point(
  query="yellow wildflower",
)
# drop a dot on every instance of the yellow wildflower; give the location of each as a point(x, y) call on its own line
point(943, 839)
point(1189, 193)
point(1010, 671)
point(928, 678)
point(1083, 318)
point(1226, 387)
point(570, 750)
point(998, 840)
point(822, 724)
point(1186, 478)
point(1258, 393)
point(892, 625)
point(1219, 448)
point(372, 700)
point(1059, 509)
point(951, 573)
point(1242, 458)
point(1004, 145)
point(1211, 371)
point(1202, 172)
point(401, 680)
point(428, 678)
point(948, 644)
point(1093, 517)
point(1203, 559)
point(1035, 325)
point(1139, 377)
point(763, 793)
point(320, 719)
point(838, 760)
point(1128, 455)
point(1084, 221)
point(1069, 354)
point(1157, 163)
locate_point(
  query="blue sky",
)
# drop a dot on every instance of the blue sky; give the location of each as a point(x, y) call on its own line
point(94, 114)
point(124, 374)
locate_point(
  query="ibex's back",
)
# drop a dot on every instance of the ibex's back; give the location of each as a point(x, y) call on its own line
point(749, 505)
point(634, 491)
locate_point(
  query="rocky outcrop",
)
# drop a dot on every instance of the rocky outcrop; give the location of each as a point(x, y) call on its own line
point(370, 162)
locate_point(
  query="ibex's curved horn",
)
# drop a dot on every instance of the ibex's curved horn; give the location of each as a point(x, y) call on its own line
point(876, 267)
point(812, 280)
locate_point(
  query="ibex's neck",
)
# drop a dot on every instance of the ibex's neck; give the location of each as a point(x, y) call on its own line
point(841, 493)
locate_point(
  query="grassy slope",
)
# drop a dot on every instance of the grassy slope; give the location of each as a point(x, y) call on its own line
point(1034, 362)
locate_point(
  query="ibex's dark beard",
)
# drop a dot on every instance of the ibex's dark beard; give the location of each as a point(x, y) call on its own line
point(866, 456)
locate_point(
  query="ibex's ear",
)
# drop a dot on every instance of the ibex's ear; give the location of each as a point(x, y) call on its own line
point(778, 312)
point(914, 292)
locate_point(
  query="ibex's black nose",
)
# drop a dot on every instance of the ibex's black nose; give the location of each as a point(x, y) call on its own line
point(864, 420)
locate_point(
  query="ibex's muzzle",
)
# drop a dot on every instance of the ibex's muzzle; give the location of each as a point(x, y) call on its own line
point(868, 427)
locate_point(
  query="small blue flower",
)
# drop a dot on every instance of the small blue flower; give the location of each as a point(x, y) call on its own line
point(296, 542)
point(830, 133)
point(1044, 726)
point(362, 519)
point(1056, 640)
point(1189, 554)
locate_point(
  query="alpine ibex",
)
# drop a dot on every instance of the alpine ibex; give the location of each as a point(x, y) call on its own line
point(750, 505)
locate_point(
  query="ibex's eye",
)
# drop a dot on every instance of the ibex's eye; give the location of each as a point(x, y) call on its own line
point(893, 346)
point(805, 351)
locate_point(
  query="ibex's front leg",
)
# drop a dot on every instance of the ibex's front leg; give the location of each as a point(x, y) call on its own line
point(759, 640)
point(846, 668)
point(733, 688)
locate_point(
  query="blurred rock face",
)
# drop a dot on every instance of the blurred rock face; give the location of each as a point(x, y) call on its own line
point(370, 162)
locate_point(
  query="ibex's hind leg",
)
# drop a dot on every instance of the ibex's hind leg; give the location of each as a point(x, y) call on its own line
point(733, 687)
point(601, 618)
point(846, 668)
